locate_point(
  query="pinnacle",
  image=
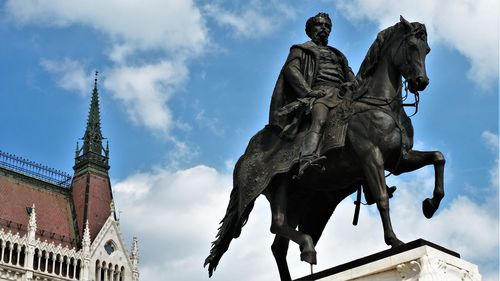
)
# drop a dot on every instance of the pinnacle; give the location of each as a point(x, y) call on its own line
point(92, 149)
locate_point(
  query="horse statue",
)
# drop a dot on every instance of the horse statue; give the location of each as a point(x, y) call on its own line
point(378, 137)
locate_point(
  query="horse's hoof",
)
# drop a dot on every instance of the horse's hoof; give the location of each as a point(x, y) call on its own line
point(397, 243)
point(429, 208)
point(393, 241)
point(308, 256)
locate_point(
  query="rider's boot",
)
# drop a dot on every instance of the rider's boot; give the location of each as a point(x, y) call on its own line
point(308, 156)
point(390, 190)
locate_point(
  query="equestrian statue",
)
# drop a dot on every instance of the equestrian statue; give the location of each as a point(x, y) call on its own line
point(331, 134)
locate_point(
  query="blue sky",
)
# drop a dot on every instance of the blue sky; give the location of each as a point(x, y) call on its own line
point(185, 84)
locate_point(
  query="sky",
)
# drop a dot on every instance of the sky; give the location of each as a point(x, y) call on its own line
point(184, 85)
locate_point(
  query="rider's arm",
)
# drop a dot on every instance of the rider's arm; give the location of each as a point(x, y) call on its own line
point(348, 74)
point(294, 76)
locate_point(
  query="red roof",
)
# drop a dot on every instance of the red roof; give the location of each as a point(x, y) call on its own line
point(98, 201)
point(53, 204)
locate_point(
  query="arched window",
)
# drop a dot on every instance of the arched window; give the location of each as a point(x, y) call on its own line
point(43, 261)
point(122, 273)
point(15, 251)
point(65, 266)
point(50, 267)
point(6, 252)
point(97, 270)
point(103, 269)
point(77, 269)
point(22, 255)
point(71, 271)
point(36, 259)
point(116, 273)
point(57, 269)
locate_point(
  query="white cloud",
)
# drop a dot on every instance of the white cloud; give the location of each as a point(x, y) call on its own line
point(491, 141)
point(174, 30)
point(182, 153)
point(145, 91)
point(178, 212)
point(211, 123)
point(69, 74)
point(255, 19)
point(470, 27)
point(154, 24)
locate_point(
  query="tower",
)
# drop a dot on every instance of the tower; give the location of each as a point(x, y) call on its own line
point(73, 233)
point(91, 187)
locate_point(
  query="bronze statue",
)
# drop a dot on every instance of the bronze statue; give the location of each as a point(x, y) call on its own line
point(312, 81)
point(365, 134)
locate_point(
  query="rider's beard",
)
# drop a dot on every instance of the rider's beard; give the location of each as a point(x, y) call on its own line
point(320, 37)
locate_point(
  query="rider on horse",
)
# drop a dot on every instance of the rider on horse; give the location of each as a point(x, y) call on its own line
point(313, 80)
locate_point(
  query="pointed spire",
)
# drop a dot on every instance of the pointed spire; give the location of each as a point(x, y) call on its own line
point(77, 151)
point(92, 148)
point(86, 238)
point(134, 259)
point(92, 140)
point(32, 224)
point(112, 208)
point(134, 254)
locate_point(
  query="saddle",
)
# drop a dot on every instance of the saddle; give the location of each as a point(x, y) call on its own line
point(335, 128)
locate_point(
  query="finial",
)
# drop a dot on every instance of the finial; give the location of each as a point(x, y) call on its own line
point(112, 207)
point(86, 237)
point(135, 248)
point(32, 219)
point(134, 253)
point(95, 79)
point(77, 151)
point(32, 223)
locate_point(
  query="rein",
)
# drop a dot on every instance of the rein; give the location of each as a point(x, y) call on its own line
point(380, 102)
point(387, 102)
point(415, 103)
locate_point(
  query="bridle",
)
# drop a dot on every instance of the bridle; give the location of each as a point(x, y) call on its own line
point(380, 102)
point(407, 63)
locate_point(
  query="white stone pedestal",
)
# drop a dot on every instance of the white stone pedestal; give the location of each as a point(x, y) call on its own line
point(418, 260)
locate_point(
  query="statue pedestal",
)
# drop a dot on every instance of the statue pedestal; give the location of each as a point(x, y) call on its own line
point(418, 260)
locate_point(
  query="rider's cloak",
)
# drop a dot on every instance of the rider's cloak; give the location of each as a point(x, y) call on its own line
point(286, 92)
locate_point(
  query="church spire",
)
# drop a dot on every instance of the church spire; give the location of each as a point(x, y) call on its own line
point(92, 150)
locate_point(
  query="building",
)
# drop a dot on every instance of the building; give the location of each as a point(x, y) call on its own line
point(54, 226)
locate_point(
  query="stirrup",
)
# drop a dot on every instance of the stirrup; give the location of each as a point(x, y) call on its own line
point(314, 161)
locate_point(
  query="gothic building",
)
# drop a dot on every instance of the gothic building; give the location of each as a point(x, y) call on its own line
point(54, 226)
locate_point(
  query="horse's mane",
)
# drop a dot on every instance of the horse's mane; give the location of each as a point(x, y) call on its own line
point(375, 51)
point(373, 55)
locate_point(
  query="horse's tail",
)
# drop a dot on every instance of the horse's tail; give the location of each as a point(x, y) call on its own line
point(230, 227)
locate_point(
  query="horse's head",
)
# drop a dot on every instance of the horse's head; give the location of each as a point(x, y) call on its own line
point(409, 57)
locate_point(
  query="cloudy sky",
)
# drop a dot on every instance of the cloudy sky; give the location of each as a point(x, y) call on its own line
point(184, 84)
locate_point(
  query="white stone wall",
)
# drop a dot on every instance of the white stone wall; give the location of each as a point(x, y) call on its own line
point(115, 263)
point(420, 264)
point(25, 258)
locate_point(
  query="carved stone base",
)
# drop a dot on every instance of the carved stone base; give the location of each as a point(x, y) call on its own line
point(418, 260)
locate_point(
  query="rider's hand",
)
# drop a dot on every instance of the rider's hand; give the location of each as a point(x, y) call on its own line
point(347, 86)
point(317, 93)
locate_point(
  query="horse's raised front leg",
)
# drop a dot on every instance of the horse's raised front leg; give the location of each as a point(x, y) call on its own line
point(373, 167)
point(419, 159)
point(280, 225)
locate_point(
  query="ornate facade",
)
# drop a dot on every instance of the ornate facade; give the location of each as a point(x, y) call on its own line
point(55, 226)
